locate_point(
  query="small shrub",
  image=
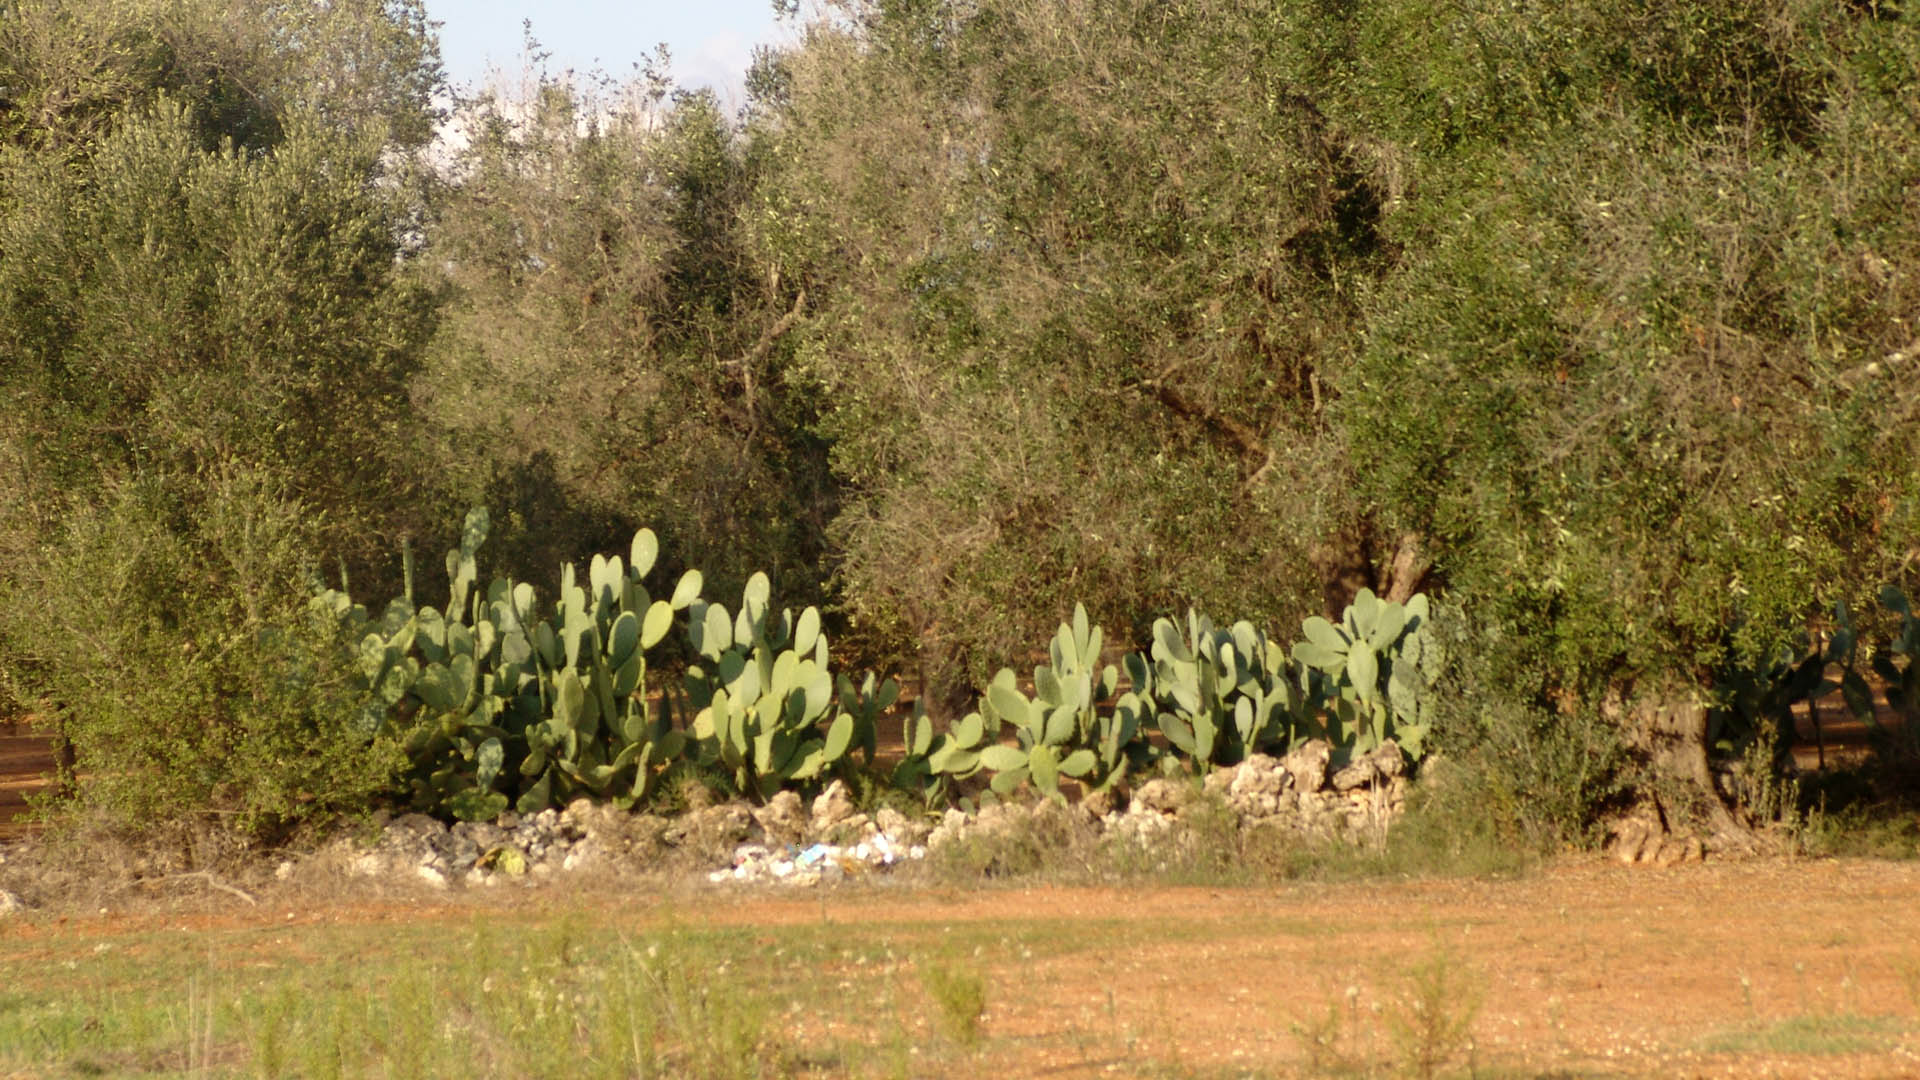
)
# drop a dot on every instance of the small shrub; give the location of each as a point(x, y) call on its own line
point(1433, 1021)
point(173, 644)
point(959, 993)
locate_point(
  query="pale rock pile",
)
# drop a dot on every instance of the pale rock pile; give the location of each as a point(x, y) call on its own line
point(1294, 793)
point(790, 841)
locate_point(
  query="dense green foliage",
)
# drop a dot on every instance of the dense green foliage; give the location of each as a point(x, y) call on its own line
point(1595, 322)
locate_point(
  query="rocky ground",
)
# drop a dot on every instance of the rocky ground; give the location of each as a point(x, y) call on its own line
point(793, 842)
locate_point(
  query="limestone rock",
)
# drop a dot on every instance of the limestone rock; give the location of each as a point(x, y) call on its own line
point(1220, 782)
point(1256, 787)
point(1159, 795)
point(1384, 762)
point(1632, 837)
point(1098, 804)
point(783, 819)
point(712, 833)
point(830, 808)
point(1307, 765)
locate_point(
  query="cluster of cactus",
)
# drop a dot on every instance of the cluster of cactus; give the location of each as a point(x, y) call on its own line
point(495, 706)
point(1374, 671)
point(1220, 695)
point(1215, 696)
point(932, 762)
point(1065, 729)
point(765, 697)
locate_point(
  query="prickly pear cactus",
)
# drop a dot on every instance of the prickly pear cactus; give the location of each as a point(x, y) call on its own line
point(1068, 728)
point(497, 706)
point(1221, 694)
point(765, 697)
point(1375, 669)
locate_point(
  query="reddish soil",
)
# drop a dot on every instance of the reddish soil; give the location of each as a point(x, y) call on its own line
point(1586, 969)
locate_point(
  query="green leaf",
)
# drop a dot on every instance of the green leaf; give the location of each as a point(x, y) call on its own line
point(955, 761)
point(626, 679)
point(839, 737)
point(999, 758)
point(969, 731)
point(1363, 670)
point(654, 627)
point(1079, 763)
point(1046, 687)
point(487, 761)
point(807, 761)
point(806, 631)
point(713, 633)
point(477, 804)
point(646, 548)
point(473, 531)
point(1011, 705)
point(1363, 613)
point(687, 591)
point(1386, 629)
point(1168, 644)
point(569, 700)
point(623, 638)
point(1060, 725)
point(547, 644)
point(670, 746)
point(1324, 634)
point(1177, 733)
point(435, 688)
point(1045, 766)
point(1003, 783)
point(538, 797)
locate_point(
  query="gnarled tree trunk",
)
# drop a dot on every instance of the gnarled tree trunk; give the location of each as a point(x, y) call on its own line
point(1352, 560)
point(1667, 728)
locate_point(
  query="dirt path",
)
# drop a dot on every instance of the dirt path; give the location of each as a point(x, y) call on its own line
point(1780, 968)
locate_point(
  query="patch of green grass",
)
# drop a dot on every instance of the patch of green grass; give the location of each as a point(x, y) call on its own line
point(527, 992)
point(1838, 1033)
point(555, 998)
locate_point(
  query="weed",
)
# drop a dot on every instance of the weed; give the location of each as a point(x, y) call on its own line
point(959, 993)
point(1325, 1040)
point(1437, 1009)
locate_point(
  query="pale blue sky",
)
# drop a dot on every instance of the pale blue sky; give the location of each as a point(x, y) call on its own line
point(711, 40)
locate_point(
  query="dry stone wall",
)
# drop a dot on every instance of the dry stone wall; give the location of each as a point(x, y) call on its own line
point(794, 841)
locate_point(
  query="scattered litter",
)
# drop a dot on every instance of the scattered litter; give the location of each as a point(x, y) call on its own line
point(816, 862)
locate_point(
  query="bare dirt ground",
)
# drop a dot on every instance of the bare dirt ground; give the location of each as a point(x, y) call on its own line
point(1805, 968)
